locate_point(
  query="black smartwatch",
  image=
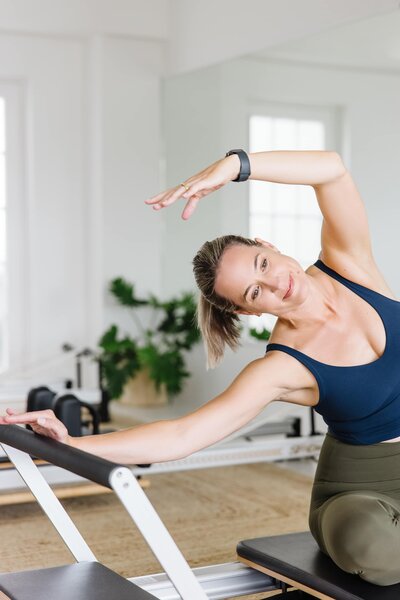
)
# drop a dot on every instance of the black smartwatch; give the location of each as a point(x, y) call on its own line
point(245, 170)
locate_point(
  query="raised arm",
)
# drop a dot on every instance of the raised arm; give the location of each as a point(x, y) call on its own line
point(261, 382)
point(345, 232)
point(297, 167)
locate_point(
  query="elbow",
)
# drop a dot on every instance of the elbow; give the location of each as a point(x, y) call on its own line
point(332, 169)
point(339, 168)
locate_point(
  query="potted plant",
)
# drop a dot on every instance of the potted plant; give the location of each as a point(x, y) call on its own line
point(149, 365)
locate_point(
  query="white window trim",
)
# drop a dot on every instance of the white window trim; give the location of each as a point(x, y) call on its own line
point(14, 94)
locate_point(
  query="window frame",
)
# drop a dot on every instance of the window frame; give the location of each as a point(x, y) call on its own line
point(17, 264)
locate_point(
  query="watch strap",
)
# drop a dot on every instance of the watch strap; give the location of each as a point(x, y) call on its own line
point(245, 170)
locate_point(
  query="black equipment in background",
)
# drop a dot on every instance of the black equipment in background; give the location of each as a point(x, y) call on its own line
point(67, 408)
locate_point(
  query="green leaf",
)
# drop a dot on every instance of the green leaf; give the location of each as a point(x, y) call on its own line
point(124, 292)
point(159, 348)
point(164, 368)
point(260, 335)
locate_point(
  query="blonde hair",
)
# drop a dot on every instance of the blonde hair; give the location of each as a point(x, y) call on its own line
point(216, 317)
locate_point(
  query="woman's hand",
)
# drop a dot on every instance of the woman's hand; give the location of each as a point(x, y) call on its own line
point(208, 180)
point(43, 422)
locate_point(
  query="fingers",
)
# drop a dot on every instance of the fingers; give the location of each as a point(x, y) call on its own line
point(52, 428)
point(43, 422)
point(202, 183)
point(197, 189)
point(168, 197)
point(198, 184)
point(190, 207)
point(9, 411)
point(26, 418)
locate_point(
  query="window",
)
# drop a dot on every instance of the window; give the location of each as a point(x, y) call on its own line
point(13, 233)
point(3, 244)
point(288, 216)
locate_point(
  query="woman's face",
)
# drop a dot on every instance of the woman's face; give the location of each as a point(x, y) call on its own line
point(259, 279)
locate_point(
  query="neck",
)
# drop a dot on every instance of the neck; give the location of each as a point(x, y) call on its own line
point(319, 307)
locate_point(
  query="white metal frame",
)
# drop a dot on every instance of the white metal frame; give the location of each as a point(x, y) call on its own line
point(218, 581)
point(179, 582)
point(142, 512)
point(50, 504)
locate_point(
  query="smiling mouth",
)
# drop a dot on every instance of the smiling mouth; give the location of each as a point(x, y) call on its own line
point(290, 288)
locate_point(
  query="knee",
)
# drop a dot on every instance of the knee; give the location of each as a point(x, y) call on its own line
point(361, 534)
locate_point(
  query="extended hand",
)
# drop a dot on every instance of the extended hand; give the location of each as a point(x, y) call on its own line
point(208, 180)
point(43, 422)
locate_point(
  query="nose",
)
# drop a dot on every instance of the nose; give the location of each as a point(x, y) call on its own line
point(275, 283)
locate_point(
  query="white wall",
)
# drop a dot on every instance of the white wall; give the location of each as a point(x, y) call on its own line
point(91, 135)
point(87, 76)
point(143, 20)
point(368, 105)
point(200, 33)
point(208, 32)
point(50, 75)
point(131, 239)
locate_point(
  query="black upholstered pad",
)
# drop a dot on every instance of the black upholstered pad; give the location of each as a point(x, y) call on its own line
point(80, 581)
point(297, 557)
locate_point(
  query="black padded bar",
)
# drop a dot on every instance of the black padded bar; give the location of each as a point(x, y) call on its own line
point(77, 461)
point(297, 557)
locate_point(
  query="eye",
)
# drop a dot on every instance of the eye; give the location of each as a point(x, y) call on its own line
point(255, 293)
point(264, 264)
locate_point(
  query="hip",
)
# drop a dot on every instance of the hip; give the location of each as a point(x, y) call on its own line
point(348, 468)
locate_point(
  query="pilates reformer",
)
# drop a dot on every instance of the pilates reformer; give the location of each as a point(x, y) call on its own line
point(290, 563)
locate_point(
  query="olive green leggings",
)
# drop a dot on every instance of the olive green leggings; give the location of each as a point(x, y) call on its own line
point(355, 508)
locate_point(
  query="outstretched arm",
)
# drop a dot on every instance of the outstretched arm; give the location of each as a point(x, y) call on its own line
point(300, 167)
point(261, 382)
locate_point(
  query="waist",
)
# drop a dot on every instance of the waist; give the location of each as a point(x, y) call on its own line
point(347, 449)
point(346, 468)
point(377, 428)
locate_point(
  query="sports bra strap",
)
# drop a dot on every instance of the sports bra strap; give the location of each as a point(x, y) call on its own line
point(307, 361)
point(357, 288)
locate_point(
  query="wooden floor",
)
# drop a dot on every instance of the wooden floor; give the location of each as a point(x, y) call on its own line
point(206, 511)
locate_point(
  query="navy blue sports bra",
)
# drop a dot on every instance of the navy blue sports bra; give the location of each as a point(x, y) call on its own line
point(360, 404)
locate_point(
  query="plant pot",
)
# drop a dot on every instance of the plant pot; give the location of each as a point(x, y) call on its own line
point(141, 391)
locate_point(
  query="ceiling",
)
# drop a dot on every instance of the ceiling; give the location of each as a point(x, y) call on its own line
point(373, 43)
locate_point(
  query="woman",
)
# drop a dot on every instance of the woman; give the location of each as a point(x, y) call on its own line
point(334, 347)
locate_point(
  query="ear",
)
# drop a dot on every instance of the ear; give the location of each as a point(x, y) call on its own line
point(267, 245)
point(241, 311)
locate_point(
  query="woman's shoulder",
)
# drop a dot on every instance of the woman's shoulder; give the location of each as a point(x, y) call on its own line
point(282, 334)
point(361, 270)
point(294, 374)
point(295, 371)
